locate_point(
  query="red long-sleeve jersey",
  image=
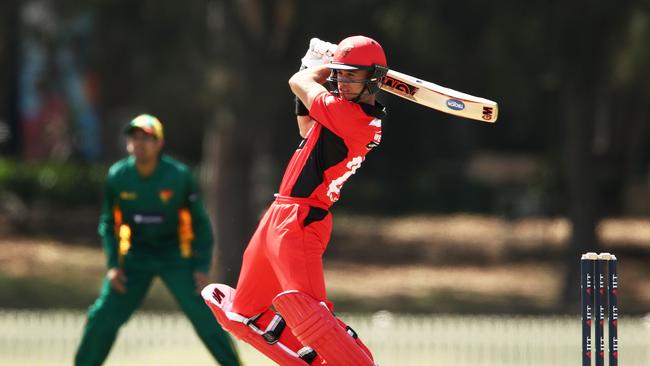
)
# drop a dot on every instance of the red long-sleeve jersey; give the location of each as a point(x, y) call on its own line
point(333, 149)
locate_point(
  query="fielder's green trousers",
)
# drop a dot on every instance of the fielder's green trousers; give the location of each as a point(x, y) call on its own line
point(112, 310)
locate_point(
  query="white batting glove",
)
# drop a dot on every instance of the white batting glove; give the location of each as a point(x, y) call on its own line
point(311, 59)
point(323, 48)
point(318, 53)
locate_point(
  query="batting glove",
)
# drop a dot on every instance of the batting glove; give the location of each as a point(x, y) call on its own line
point(317, 54)
point(323, 48)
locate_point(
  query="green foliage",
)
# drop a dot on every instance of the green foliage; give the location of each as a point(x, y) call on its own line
point(52, 182)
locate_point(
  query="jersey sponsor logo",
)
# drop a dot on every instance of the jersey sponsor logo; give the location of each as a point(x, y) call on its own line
point(139, 218)
point(334, 188)
point(166, 195)
point(128, 196)
point(455, 104)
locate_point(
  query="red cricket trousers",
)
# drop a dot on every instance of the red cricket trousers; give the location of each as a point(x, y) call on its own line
point(285, 253)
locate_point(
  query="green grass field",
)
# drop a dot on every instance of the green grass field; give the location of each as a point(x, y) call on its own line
point(49, 338)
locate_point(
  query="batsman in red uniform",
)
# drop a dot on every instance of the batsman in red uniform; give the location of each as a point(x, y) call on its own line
point(282, 265)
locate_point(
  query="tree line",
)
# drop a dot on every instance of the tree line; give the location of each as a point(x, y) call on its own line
point(571, 79)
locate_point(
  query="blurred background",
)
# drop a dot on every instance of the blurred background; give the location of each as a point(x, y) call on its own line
point(454, 230)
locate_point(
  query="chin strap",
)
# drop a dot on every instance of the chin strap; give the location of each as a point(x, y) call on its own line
point(358, 97)
point(367, 90)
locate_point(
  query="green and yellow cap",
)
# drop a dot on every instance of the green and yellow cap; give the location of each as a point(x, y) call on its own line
point(147, 123)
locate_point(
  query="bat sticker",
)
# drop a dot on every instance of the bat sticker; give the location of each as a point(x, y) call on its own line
point(399, 85)
point(487, 113)
point(455, 104)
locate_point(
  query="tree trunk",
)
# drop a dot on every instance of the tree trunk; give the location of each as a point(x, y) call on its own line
point(231, 201)
point(246, 39)
point(582, 187)
point(586, 34)
point(9, 112)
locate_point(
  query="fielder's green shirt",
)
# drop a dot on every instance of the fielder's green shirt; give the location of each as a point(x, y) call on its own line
point(160, 216)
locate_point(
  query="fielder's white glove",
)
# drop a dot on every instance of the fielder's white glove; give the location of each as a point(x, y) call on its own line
point(319, 53)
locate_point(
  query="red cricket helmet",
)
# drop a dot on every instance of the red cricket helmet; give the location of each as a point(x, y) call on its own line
point(361, 53)
point(358, 52)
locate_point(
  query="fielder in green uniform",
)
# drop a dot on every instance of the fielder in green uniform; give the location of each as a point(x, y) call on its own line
point(153, 223)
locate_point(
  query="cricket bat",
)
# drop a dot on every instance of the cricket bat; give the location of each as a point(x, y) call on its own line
point(426, 93)
point(440, 98)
